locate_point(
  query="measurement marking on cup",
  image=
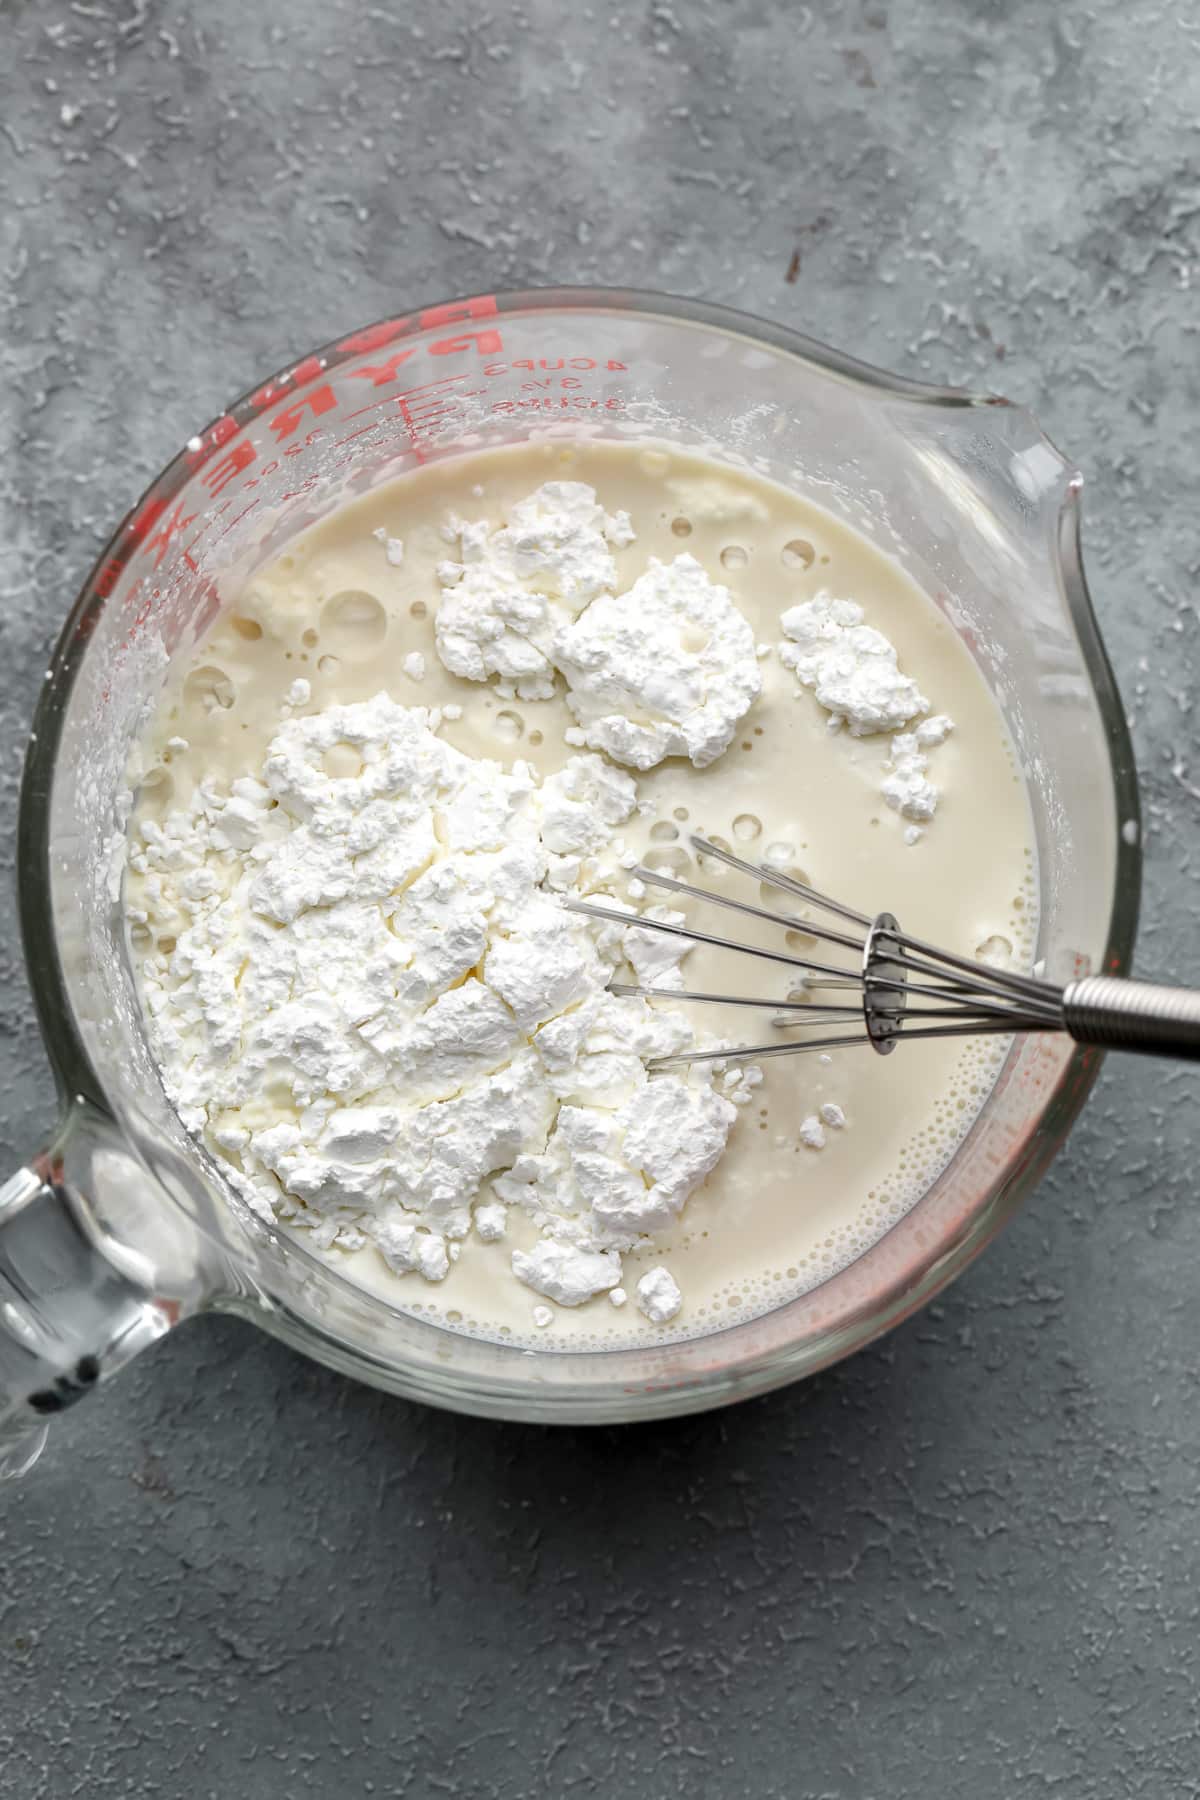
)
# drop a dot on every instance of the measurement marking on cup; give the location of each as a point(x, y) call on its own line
point(421, 408)
point(171, 528)
point(568, 402)
point(363, 431)
point(238, 518)
point(404, 400)
point(556, 362)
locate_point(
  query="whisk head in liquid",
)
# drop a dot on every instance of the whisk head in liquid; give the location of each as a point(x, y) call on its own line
point(894, 986)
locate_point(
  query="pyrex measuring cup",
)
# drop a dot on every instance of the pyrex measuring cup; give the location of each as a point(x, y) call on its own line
point(123, 1228)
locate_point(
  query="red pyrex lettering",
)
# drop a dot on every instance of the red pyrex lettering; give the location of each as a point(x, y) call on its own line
point(223, 455)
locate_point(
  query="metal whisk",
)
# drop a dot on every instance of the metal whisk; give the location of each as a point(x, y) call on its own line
point(900, 987)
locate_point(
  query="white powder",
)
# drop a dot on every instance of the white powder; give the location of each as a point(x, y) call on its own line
point(850, 667)
point(393, 547)
point(503, 601)
point(658, 1295)
point(811, 1133)
point(853, 671)
point(932, 732)
point(490, 1221)
point(906, 786)
point(654, 955)
point(414, 665)
point(376, 1004)
point(740, 1082)
point(565, 1272)
point(667, 669)
point(620, 1169)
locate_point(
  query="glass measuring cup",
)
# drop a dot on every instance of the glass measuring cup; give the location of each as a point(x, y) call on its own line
point(123, 1227)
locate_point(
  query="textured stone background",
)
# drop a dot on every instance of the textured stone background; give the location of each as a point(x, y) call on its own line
point(964, 1564)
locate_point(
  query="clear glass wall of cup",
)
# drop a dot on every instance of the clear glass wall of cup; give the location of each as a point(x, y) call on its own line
point(122, 1228)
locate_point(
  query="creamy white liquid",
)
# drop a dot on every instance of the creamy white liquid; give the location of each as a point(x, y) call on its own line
point(775, 1218)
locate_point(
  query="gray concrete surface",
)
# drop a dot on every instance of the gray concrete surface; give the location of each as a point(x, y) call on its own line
point(965, 1564)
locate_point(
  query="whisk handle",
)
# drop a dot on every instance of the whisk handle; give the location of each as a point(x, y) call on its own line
point(1133, 1015)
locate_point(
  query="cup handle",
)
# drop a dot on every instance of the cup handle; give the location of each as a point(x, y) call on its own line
point(69, 1315)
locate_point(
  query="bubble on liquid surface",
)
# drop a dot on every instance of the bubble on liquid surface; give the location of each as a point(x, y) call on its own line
point(673, 861)
point(250, 629)
point(681, 527)
point(747, 827)
point(786, 871)
point(797, 553)
point(508, 726)
point(996, 950)
point(355, 620)
point(664, 832)
point(734, 556)
point(209, 689)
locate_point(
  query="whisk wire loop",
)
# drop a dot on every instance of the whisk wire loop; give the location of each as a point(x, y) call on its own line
point(968, 998)
point(891, 968)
